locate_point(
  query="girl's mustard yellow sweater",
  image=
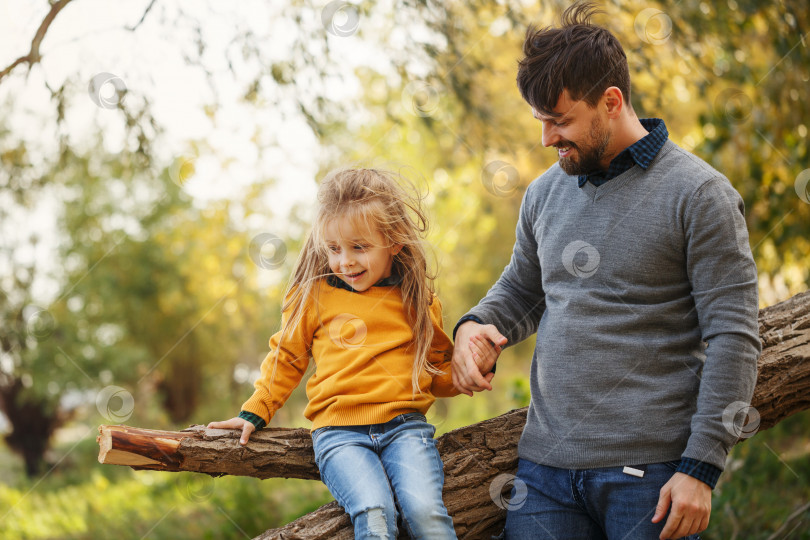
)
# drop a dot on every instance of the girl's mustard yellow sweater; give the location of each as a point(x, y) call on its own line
point(363, 364)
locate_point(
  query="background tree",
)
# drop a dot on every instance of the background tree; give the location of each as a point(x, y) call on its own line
point(148, 285)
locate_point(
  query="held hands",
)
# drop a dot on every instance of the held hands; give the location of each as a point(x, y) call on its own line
point(476, 349)
point(691, 502)
point(236, 423)
point(484, 352)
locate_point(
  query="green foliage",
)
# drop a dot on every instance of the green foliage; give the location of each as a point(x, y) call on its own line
point(84, 500)
point(160, 296)
point(764, 488)
point(156, 505)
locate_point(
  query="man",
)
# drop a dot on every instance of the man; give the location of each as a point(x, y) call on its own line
point(632, 265)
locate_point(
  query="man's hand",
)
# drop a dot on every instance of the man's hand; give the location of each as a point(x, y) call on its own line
point(466, 372)
point(691, 502)
point(236, 423)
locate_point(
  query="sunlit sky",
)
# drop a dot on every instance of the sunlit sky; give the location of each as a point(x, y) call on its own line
point(89, 37)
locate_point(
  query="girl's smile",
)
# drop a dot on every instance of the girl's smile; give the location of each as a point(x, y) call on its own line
point(358, 255)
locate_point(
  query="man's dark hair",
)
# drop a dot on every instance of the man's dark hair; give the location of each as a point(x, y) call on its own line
point(581, 57)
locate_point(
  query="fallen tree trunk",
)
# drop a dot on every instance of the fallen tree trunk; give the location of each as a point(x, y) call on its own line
point(271, 453)
point(783, 380)
point(479, 460)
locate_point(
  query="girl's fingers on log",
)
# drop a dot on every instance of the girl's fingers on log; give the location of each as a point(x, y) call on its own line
point(233, 423)
point(247, 429)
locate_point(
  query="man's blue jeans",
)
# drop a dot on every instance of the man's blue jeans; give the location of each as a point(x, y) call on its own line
point(588, 504)
point(372, 471)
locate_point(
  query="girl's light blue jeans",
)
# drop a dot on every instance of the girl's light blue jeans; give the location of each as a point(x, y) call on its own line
point(379, 470)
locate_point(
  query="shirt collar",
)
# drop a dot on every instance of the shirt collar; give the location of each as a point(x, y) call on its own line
point(642, 152)
point(338, 283)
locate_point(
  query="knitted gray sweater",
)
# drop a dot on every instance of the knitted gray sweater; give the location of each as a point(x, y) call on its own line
point(625, 284)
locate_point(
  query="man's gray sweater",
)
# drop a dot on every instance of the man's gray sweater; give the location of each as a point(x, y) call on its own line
point(625, 285)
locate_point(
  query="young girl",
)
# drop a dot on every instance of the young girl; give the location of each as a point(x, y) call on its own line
point(361, 305)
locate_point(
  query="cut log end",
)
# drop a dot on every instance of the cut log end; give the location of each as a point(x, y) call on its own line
point(135, 447)
point(104, 444)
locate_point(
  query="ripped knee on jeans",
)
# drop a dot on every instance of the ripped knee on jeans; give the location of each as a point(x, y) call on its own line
point(377, 525)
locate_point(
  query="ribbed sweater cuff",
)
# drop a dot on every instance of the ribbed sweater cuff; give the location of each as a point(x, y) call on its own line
point(707, 450)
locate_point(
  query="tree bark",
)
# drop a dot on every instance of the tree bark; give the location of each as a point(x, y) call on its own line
point(479, 460)
point(783, 381)
point(271, 453)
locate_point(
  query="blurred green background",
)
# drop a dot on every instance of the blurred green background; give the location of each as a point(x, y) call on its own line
point(158, 168)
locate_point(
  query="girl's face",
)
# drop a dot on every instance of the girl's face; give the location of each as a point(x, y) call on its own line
point(358, 255)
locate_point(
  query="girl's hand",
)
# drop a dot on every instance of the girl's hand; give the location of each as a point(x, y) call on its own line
point(236, 423)
point(484, 352)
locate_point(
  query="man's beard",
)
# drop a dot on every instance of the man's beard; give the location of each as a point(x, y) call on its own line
point(590, 156)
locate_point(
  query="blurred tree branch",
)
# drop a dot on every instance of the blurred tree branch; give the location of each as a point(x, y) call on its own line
point(33, 56)
point(143, 17)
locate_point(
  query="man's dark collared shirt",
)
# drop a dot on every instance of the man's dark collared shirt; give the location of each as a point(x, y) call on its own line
point(640, 153)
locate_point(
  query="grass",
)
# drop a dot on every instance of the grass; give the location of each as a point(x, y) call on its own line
point(81, 499)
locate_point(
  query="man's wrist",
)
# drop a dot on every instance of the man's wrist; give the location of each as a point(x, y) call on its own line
point(705, 472)
point(464, 319)
point(475, 319)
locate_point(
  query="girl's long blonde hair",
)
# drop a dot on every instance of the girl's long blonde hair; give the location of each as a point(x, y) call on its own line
point(376, 200)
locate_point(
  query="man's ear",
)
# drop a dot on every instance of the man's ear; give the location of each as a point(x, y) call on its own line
point(613, 101)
